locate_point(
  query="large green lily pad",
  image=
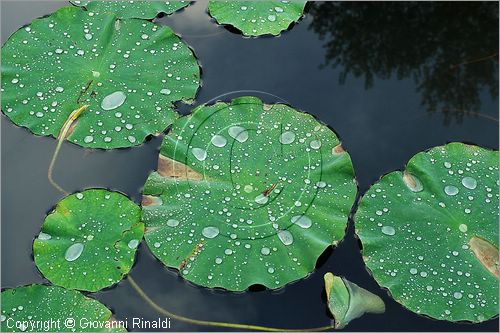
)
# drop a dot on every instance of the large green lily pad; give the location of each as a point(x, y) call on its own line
point(430, 233)
point(132, 9)
point(255, 18)
point(40, 308)
point(89, 241)
point(129, 72)
point(247, 193)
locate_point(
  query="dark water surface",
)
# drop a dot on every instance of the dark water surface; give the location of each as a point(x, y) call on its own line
point(394, 79)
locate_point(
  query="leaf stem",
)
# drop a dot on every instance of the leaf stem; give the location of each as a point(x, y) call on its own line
point(216, 323)
point(60, 139)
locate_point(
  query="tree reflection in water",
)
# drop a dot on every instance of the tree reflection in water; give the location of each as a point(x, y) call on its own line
point(449, 49)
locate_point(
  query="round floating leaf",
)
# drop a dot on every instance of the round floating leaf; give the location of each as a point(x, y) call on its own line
point(40, 308)
point(247, 193)
point(129, 72)
point(430, 233)
point(255, 18)
point(132, 9)
point(348, 301)
point(89, 241)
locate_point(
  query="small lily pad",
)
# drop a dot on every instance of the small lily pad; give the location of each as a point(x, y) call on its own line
point(129, 73)
point(89, 241)
point(256, 18)
point(430, 233)
point(247, 193)
point(132, 9)
point(41, 308)
point(348, 301)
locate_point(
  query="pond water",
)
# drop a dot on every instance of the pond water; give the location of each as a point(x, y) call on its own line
point(392, 80)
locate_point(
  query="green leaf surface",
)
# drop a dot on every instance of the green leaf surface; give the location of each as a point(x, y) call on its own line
point(132, 9)
point(129, 72)
point(247, 193)
point(89, 241)
point(256, 18)
point(430, 233)
point(41, 308)
point(348, 301)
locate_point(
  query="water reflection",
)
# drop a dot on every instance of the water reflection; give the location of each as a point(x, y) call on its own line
point(449, 49)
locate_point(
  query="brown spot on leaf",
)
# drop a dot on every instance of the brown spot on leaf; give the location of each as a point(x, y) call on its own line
point(267, 107)
point(486, 253)
point(150, 200)
point(338, 149)
point(168, 167)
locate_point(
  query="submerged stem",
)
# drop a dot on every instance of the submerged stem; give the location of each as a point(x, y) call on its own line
point(216, 323)
point(60, 139)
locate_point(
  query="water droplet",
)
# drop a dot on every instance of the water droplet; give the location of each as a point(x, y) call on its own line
point(321, 184)
point(73, 252)
point(270, 270)
point(131, 138)
point(278, 9)
point(210, 232)
point(88, 139)
point(429, 288)
point(96, 74)
point(15, 80)
point(447, 165)
point(271, 18)
point(413, 271)
point(238, 133)
point(218, 261)
point(199, 153)
point(451, 190)
point(88, 36)
point(287, 137)
point(285, 237)
point(261, 199)
point(218, 141)
point(172, 223)
point(59, 89)
point(457, 295)
point(133, 244)
point(243, 7)
point(388, 230)
point(144, 36)
point(302, 221)
point(113, 100)
point(462, 227)
point(79, 196)
point(2, 318)
point(165, 91)
point(315, 144)
point(44, 236)
point(469, 182)
point(265, 251)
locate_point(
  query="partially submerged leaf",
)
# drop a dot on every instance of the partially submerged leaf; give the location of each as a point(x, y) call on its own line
point(247, 193)
point(348, 301)
point(129, 72)
point(89, 241)
point(255, 18)
point(132, 9)
point(430, 233)
point(40, 308)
